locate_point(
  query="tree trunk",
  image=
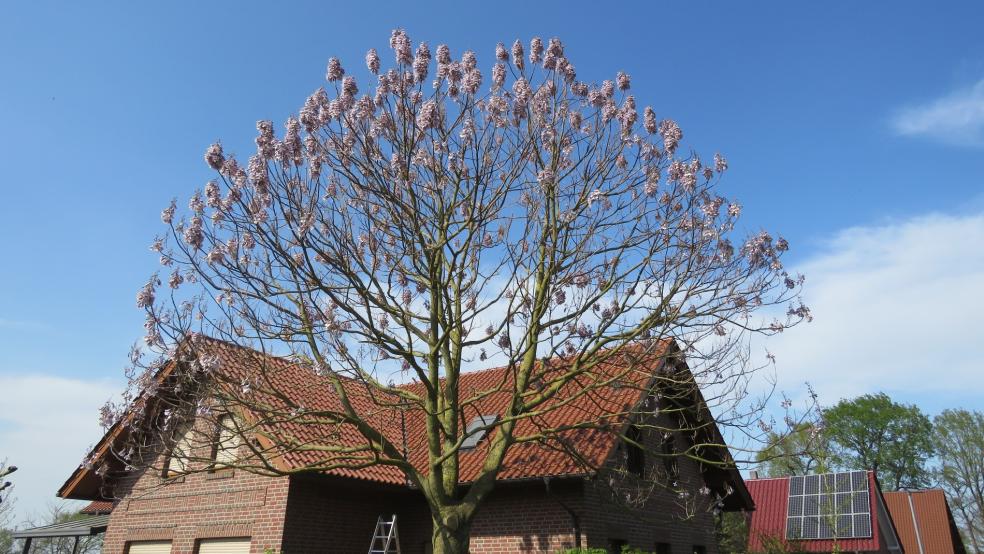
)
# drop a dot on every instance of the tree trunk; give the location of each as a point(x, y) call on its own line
point(451, 534)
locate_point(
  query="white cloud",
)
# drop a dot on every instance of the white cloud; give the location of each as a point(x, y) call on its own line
point(47, 425)
point(957, 118)
point(897, 308)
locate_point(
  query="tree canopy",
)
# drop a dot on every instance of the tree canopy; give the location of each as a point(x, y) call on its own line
point(874, 432)
point(959, 440)
point(448, 219)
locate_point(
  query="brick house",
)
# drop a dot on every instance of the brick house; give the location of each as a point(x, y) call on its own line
point(544, 501)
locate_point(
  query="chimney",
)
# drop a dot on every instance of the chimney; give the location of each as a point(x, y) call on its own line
point(753, 474)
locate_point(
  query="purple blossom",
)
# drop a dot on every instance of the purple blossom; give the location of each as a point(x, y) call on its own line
point(167, 214)
point(500, 52)
point(145, 296)
point(349, 86)
point(498, 75)
point(503, 341)
point(607, 89)
point(421, 62)
point(671, 134)
point(443, 54)
point(469, 61)
point(175, 280)
point(265, 140)
point(473, 81)
point(193, 235)
point(720, 163)
point(334, 71)
point(214, 157)
point(517, 54)
point(400, 43)
point(536, 50)
point(429, 115)
point(623, 81)
point(372, 61)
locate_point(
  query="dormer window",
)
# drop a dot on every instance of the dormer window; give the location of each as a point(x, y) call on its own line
point(477, 429)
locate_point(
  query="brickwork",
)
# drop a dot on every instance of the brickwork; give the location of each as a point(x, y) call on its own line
point(655, 515)
point(526, 519)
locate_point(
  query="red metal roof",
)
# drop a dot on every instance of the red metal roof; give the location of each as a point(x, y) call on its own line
point(930, 514)
point(771, 498)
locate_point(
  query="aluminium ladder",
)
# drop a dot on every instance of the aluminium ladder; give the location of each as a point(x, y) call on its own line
point(386, 538)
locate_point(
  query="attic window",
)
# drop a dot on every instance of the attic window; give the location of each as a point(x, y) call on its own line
point(635, 456)
point(227, 443)
point(177, 461)
point(474, 432)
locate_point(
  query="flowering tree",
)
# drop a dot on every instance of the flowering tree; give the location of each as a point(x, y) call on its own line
point(449, 218)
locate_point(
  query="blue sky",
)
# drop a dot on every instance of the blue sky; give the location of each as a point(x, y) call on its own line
point(854, 129)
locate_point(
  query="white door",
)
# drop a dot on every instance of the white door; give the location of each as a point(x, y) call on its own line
point(224, 546)
point(149, 547)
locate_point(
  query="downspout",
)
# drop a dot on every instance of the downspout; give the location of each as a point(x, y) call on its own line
point(575, 520)
point(915, 524)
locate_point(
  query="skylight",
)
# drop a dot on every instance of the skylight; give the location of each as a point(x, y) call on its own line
point(474, 432)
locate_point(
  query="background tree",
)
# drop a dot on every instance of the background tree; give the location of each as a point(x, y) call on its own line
point(438, 223)
point(959, 440)
point(6, 508)
point(873, 432)
point(60, 513)
point(802, 451)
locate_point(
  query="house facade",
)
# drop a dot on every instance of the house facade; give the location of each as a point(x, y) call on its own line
point(541, 503)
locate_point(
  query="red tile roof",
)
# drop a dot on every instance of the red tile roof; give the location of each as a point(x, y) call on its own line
point(930, 514)
point(97, 507)
point(771, 498)
point(579, 419)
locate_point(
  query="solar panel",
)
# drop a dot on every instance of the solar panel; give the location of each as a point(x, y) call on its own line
point(829, 506)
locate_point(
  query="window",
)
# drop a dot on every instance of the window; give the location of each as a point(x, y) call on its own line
point(670, 457)
point(635, 456)
point(223, 546)
point(227, 442)
point(178, 458)
point(663, 548)
point(473, 434)
point(700, 549)
point(148, 547)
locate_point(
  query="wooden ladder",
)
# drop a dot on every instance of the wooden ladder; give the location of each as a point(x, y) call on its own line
point(386, 538)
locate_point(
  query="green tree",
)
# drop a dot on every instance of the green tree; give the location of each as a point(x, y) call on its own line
point(874, 432)
point(63, 545)
point(732, 532)
point(804, 450)
point(959, 438)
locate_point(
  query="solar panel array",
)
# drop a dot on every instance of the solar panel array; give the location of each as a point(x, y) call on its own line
point(829, 506)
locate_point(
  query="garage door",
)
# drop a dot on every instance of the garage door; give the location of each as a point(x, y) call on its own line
point(224, 546)
point(149, 547)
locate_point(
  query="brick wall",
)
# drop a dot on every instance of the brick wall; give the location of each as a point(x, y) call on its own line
point(525, 518)
point(654, 515)
point(336, 515)
point(197, 506)
point(225, 504)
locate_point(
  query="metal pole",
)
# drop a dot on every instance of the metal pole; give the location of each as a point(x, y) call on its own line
point(75, 547)
point(27, 545)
